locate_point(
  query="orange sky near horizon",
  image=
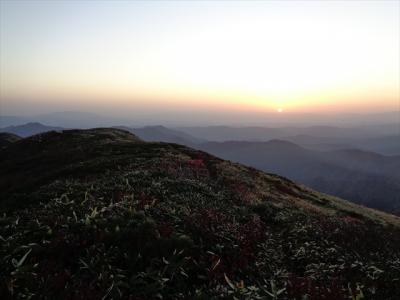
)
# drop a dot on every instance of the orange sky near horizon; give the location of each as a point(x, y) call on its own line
point(310, 56)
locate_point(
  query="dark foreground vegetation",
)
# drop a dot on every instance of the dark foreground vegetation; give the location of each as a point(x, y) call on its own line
point(99, 214)
point(7, 138)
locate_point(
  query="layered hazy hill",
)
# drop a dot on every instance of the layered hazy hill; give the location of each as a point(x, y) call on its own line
point(381, 138)
point(163, 134)
point(147, 133)
point(29, 129)
point(363, 177)
point(112, 216)
point(332, 164)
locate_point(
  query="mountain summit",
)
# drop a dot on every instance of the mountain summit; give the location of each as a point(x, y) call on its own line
point(101, 214)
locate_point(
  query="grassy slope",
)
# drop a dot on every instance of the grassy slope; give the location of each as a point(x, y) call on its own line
point(7, 138)
point(98, 213)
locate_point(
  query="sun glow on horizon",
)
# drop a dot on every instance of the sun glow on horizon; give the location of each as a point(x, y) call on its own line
point(237, 55)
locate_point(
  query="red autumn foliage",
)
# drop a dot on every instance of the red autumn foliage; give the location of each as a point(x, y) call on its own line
point(196, 163)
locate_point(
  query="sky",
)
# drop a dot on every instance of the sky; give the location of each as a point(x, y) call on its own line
point(131, 57)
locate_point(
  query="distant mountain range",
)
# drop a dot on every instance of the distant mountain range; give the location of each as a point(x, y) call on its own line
point(363, 177)
point(384, 139)
point(82, 119)
point(163, 134)
point(343, 170)
point(29, 129)
point(68, 119)
point(147, 133)
point(385, 144)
